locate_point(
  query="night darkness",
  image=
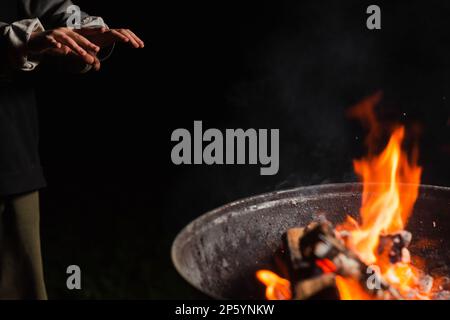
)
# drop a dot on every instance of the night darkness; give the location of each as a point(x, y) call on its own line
point(115, 201)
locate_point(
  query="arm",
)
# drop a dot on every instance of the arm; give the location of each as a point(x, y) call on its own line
point(62, 13)
point(59, 15)
point(13, 38)
point(28, 38)
point(22, 42)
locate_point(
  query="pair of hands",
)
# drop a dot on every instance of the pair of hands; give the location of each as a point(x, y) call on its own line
point(83, 44)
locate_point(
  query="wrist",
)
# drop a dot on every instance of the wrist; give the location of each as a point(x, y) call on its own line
point(19, 34)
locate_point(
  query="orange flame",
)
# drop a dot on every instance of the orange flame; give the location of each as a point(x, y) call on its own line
point(386, 204)
point(326, 265)
point(350, 289)
point(390, 189)
point(277, 288)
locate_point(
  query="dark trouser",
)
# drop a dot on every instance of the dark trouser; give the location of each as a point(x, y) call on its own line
point(21, 274)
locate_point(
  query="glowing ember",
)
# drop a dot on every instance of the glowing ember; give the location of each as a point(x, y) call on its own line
point(326, 265)
point(277, 288)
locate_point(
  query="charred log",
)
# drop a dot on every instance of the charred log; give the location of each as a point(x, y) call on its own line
point(395, 247)
point(317, 255)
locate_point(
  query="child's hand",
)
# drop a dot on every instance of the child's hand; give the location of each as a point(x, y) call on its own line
point(103, 37)
point(62, 41)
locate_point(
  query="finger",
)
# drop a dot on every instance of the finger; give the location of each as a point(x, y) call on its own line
point(72, 44)
point(50, 43)
point(83, 42)
point(53, 43)
point(138, 40)
point(90, 31)
point(119, 36)
point(54, 52)
point(133, 42)
point(96, 64)
point(68, 41)
point(65, 50)
point(126, 35)
point(62, 51)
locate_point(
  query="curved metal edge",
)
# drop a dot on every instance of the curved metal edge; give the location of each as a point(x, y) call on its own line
point(215, 213)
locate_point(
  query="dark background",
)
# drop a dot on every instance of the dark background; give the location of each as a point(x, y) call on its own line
point(115, 202)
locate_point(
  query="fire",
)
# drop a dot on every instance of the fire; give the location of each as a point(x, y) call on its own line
point(350, 289)
point(402, 275)
point(390, 188)
point(386, 205)
point(277, 288)
point(326, 265)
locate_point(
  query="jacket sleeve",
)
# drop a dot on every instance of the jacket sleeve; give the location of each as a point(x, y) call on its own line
point(59, 13)
point(13, 37)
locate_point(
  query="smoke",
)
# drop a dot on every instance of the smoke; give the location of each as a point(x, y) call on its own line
point(302, 78)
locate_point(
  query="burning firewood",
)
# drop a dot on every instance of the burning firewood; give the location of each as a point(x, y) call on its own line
point(369, 258)
point(310, 287)
point(307, 281)
point(317, 255)
point(395, 247)
point(441, 295)
point(293, 237)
